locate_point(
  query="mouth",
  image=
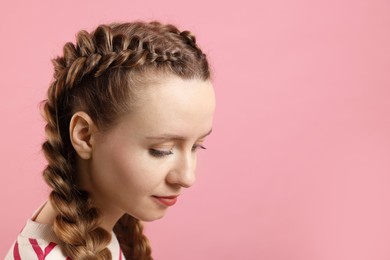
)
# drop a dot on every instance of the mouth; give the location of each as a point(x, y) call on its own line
point(166, 200)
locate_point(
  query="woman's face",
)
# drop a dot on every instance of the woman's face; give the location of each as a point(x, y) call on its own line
point(151, 153)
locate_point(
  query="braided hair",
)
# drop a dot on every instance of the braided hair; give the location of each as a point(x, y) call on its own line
point(98, 75)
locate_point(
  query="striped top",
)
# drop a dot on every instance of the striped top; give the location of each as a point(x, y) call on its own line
point(38, 241)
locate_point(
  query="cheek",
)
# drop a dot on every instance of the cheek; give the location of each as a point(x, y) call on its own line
point(129, 171)
point(111, 171)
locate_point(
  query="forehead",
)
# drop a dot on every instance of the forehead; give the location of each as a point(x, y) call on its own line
point(173, 105)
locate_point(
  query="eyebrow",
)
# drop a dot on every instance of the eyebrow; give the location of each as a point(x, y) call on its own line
point(174, 137)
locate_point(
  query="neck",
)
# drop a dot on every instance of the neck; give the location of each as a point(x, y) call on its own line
point(109, 214)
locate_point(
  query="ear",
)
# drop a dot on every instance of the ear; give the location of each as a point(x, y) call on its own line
point(81, 129)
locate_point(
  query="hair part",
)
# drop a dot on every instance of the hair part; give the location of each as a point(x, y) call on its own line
point(100, 75)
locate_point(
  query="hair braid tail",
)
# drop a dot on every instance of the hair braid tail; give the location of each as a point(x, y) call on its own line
point(134, 243)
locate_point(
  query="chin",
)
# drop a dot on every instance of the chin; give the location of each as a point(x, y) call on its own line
point(150, 218)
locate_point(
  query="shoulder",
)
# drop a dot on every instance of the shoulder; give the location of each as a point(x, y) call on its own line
point(38, 241)
point(33, 248)
point(35, 241)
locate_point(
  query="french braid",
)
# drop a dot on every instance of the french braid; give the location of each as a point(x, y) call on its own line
point(97, 75)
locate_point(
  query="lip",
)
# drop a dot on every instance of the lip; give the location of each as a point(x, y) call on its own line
point(166, 200)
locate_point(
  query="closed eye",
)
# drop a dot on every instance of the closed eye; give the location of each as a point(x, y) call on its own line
point(159, 153)
point(198, 146)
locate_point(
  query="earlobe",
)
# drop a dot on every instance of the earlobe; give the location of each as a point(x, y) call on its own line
point(81, 128)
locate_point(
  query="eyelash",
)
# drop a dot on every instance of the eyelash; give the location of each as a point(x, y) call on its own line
point(196, 147)
point(160, 153)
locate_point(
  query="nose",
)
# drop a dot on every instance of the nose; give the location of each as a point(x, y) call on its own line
point(183, 171)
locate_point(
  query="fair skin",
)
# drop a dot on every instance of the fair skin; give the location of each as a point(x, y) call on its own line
point(151, 151)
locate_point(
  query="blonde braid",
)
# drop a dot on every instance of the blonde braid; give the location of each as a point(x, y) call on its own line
point(91, 76)
point(76, 224)
point(134, 243)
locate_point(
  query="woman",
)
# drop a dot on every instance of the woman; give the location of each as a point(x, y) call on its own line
point(129, 106)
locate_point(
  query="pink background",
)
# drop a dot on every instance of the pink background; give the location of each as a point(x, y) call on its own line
point(298, 164)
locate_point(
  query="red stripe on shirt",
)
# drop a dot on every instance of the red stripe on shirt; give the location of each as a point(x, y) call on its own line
point(49, 248)
point(38, 251)
point(16, 251)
